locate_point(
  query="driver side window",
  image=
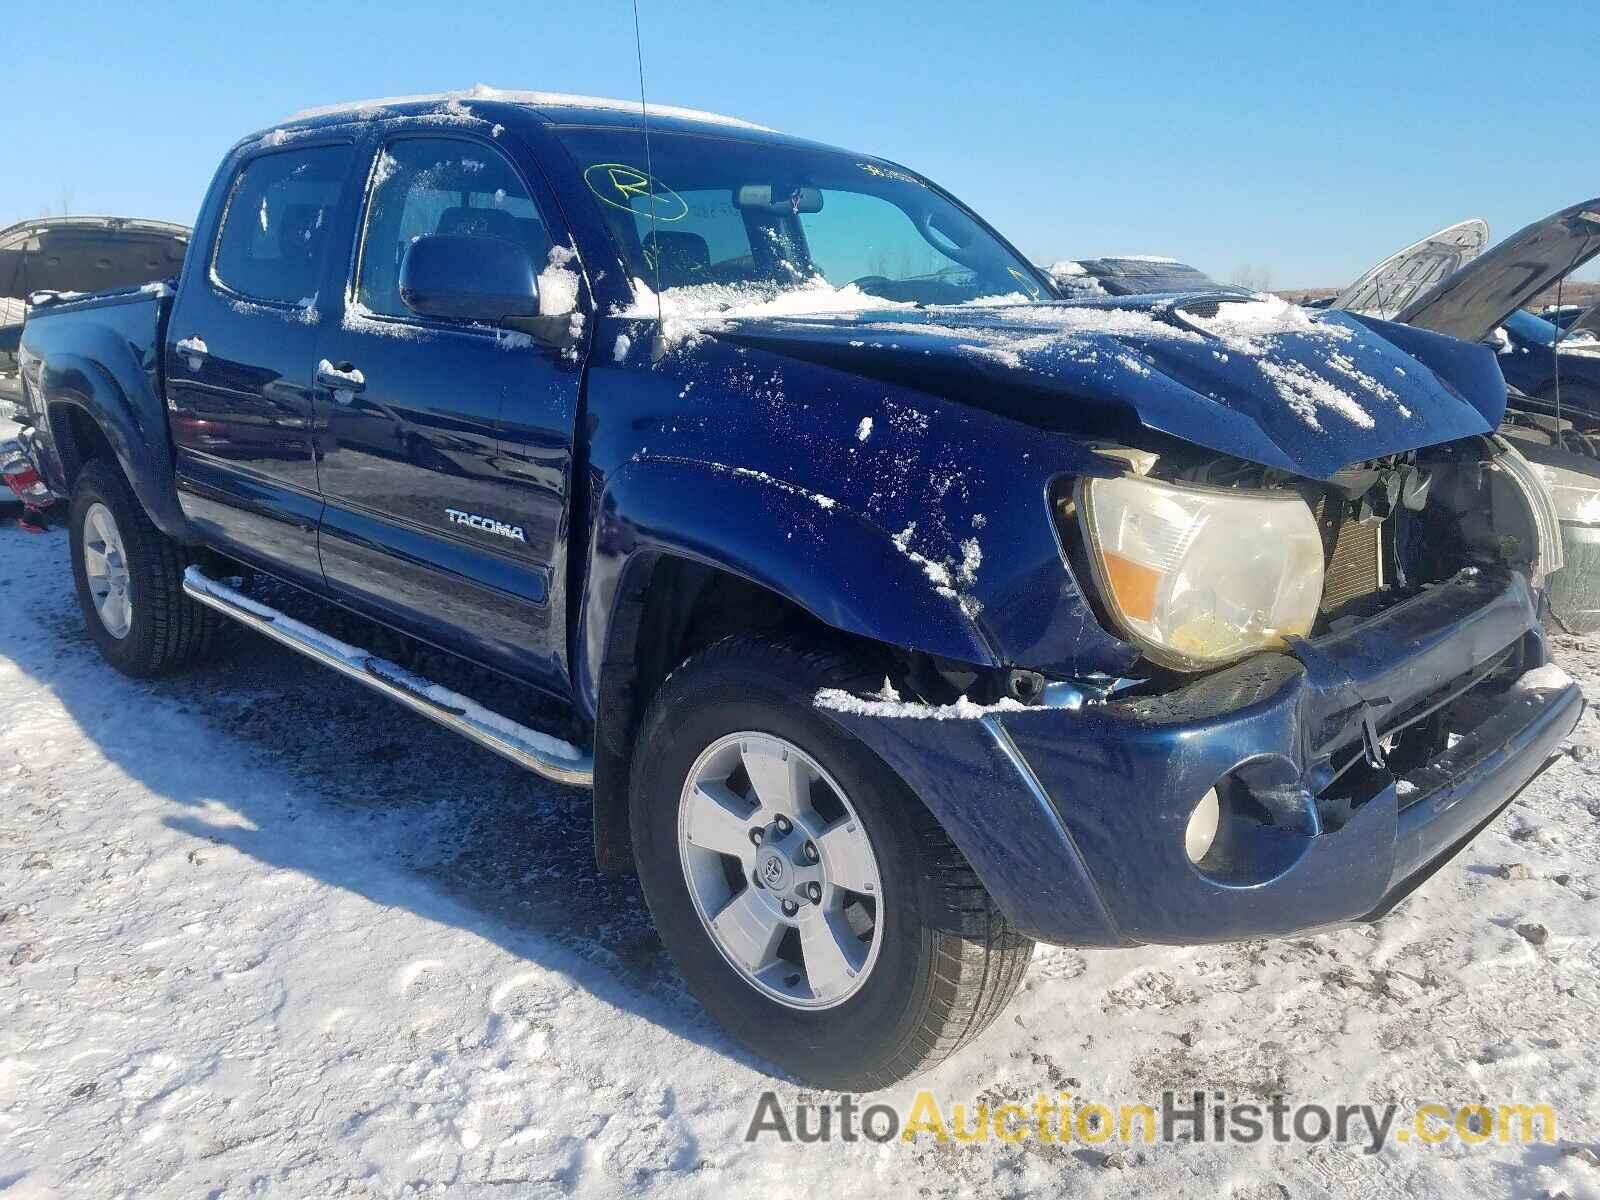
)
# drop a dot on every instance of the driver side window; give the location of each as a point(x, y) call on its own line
point(423, 186)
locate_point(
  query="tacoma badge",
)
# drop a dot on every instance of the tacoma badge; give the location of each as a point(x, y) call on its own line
point(487, 524)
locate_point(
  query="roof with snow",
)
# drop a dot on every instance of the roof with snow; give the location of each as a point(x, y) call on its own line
point(552, 104)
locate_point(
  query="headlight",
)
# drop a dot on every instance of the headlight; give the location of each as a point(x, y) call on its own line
point(1202, 576)
point(1541, 502)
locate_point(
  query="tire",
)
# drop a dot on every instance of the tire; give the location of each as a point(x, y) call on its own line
point(947, 962)
point(165, 629)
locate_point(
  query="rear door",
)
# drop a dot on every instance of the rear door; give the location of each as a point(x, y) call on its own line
point(438, 521)
point(241, 348)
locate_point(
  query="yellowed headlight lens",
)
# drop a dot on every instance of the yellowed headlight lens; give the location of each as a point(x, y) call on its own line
point(1201, 576)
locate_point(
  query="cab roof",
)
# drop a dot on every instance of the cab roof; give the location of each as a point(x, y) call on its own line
point(558, 107)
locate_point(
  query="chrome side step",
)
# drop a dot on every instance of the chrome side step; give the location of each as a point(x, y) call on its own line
point(538, 752)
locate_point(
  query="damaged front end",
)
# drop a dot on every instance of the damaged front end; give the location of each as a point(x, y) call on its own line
point(1305, 738)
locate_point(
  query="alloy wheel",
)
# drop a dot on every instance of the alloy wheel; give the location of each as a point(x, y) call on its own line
point(781, 871)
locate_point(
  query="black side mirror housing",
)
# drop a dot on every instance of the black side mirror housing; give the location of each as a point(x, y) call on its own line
point(469, 278)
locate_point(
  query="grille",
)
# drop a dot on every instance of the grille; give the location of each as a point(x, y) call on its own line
point(1355, 564)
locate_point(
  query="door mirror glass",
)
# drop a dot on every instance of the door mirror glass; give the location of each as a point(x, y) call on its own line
point(468, 278)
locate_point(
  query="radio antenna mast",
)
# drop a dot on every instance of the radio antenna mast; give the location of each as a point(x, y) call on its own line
point(658, 344)
point(1555, 354)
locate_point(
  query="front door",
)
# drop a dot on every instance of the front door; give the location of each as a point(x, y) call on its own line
point(428, 526)
point(241, 345)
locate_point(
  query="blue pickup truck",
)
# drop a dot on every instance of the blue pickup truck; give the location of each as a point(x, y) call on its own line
point(906, 614)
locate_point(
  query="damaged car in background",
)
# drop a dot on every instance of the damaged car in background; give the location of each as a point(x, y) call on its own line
point(1556, 425)
point(901, 614)
point(1133, 275)
point(55, 256)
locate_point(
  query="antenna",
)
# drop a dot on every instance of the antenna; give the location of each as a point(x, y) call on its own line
point(658, 344)
point(1555, 353)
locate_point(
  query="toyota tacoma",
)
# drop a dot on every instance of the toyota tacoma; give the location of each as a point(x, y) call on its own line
point(905, 614)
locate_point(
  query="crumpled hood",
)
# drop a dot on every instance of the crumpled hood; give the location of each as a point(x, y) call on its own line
point(1258, 378)
point(1482, 294)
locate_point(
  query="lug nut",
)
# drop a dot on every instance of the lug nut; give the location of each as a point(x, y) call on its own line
point(783, 826)
point(814, 893)
point(756, 837)
point(811, 852)
point(790, 908)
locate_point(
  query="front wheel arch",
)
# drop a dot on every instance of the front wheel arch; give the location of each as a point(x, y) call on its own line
point(949, 961)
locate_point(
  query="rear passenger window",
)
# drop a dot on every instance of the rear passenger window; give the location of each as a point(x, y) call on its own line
point(425, 186)
point(275, 232)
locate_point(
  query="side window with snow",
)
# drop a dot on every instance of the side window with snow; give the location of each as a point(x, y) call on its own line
point(423, 186)
point(275, 233)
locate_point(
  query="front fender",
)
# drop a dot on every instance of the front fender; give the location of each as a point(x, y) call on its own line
point(1472, 371)
point(835, 564)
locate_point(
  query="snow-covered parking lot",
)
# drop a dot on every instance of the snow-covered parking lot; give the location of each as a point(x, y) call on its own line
point(261, 932)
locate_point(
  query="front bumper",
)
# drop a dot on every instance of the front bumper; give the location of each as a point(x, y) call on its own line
point(1074, 818)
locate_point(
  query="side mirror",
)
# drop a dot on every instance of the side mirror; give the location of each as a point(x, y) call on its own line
point(469, 278)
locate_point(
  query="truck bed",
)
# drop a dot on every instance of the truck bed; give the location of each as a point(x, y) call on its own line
point(100, 355)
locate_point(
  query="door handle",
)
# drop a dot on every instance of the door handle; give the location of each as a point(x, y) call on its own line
point(194, 349)
point(344, 379)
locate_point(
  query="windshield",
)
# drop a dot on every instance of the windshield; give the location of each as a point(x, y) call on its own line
point(763, 219)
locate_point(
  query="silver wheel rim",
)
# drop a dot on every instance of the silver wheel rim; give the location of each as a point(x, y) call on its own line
point(780, 870)
point(105, 565)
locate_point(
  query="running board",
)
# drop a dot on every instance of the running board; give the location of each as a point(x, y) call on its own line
point(538, 752)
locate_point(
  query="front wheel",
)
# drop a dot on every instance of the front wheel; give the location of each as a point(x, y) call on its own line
point(812, 903)
point(129, 577)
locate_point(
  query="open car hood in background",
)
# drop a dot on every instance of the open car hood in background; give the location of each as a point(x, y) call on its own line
point(1473, 301)
point(84, 254)
point(1399, 279)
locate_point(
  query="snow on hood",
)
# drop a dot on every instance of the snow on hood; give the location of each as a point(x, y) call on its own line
point(1073, 279)
point(1254, 377)
point(1482, 294)
point(691, 312)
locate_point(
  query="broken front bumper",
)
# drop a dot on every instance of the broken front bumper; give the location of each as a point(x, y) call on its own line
point(1075, 818)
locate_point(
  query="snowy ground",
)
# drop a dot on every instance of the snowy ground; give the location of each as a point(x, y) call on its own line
point(263, 932)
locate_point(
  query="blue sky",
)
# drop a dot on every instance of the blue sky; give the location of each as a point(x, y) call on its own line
point(1307, 141)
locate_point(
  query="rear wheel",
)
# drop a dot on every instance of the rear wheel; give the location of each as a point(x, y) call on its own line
point(129, 577)
point(812, 903)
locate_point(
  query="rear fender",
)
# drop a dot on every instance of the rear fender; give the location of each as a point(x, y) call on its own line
point(108, 370)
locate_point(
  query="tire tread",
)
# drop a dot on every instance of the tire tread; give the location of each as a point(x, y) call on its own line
point(177, 630)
